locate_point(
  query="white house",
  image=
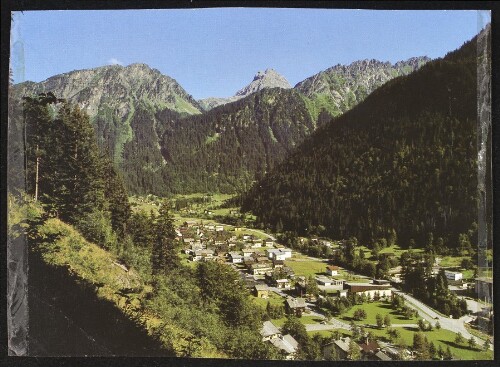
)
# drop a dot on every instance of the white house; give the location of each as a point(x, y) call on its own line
point(235, 258)
point(257, 244)
point(453, 275)
point(332, 270)
point(283, 283)
point(269, 243)
point(270, 252)
point(287, 252)
point(219, 228)
point(279, 256)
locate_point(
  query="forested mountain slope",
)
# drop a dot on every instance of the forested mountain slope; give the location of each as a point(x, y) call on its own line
point(230, 146)
point(404, 160)
point(122, 103)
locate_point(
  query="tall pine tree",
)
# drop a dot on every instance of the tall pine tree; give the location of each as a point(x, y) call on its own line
point(164, 254)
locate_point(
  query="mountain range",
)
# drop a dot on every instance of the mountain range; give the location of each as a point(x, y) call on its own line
point(133, 107)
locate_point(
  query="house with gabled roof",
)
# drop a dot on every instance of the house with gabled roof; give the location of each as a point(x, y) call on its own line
point(295, 306)
point(332, 270)
point(287, 345)
point(261, 291)
point(269, 331)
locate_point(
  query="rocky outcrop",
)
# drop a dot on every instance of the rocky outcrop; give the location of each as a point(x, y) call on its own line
point(262, 80)
point(267, 79)
point(341, 87)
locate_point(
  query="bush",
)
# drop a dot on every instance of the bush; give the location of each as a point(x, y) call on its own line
point(359, 314)
point(96, 227)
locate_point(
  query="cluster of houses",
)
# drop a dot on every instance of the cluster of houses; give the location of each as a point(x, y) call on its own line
point(260, 263)
point(287, 345)
point(212, 242)
point(370, 350)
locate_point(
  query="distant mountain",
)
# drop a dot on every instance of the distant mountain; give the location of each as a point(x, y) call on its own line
point(403, 161)
point(132, 107)
point(211, 102)
point(267, 79)
point(122, 103)
point(341, 87)
point(262, 80)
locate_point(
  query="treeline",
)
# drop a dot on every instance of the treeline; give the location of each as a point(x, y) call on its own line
point(416, 270)
point(403, 161)
point(67, 173)
point(207, 309)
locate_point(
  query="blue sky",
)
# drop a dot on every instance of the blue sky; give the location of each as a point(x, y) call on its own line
point(215, 52)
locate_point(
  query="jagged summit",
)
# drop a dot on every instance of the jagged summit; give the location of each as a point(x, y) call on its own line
point(269, 78)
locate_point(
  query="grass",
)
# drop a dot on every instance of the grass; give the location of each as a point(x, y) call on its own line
point(477, 333)
point(451, 261)
point(443, 338)
point(145, 206)
point(274, 299)
point(374, 308)
point(395, 249)
point(305, 267)
point(186, 262)
point(304, 319)
point(253, 232)
point(468, 274)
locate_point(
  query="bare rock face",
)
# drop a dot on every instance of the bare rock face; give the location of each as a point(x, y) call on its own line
point(264, 79)
point(122, 103)
point(211, 102)
point(267, 79)
point(115, 87)
point(341, 87)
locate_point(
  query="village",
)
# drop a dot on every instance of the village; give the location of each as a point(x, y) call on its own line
point(290, 283)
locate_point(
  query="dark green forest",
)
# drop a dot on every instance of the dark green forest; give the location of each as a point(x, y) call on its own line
point(403, 161)
point(231, 146)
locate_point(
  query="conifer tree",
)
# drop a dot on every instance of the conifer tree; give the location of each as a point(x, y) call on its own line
point(164, 254)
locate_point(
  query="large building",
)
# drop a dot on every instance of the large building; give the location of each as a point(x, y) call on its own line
point(453, 275)
point(369, 290)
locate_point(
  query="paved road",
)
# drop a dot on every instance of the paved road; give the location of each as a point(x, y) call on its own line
point(261, 232)
point(330, 325)
point(427, 313)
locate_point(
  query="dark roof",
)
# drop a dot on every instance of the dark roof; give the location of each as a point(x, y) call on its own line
point(296, 302)
point(261, 287)
point(370, 347)
point(381, 281)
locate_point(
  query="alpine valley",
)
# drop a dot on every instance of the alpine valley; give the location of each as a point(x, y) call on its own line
point(333, 220)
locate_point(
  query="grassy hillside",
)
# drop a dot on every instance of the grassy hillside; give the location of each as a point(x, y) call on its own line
point(61, 246)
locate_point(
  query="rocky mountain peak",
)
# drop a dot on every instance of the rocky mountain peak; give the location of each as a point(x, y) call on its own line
point(269, 78)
